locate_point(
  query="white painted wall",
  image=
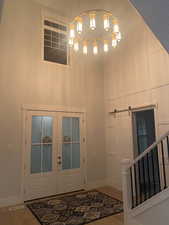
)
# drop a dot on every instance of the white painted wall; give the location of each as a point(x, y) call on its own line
point(26, 79)
point(152, 212)
point(156, 215)
point(135, 74)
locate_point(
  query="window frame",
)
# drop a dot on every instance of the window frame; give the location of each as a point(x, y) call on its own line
point(58, 21)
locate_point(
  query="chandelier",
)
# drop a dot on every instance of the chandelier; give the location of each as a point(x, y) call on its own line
point(94, 31)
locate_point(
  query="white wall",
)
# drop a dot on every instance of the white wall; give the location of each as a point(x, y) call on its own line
point(155, 215)
point(152, 212)
point(26, 79)
point(135, 74)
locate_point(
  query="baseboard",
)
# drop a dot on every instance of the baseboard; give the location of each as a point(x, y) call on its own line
point(96, 184)
point(15, 200)
point(132, 222)
point(10, 201)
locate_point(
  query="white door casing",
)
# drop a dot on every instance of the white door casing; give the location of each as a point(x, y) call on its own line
point(37, 185)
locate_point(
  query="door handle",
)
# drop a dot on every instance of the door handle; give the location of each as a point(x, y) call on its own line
point(59, 157)
point(59, 162)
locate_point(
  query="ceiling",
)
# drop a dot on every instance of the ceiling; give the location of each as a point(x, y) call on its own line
point(155, 13)
point(71, 8)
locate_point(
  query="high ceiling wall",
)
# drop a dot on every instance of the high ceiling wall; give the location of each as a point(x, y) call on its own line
point(72, 8)
point(136, 74)
point(26, 79)
point(154, 12)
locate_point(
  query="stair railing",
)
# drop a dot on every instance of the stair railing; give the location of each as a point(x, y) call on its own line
point(146, 175)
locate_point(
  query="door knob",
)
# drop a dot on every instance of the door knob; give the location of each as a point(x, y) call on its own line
point(59, 162)
point(59, 157)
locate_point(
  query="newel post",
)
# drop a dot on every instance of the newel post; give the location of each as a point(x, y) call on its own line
point(126, 188)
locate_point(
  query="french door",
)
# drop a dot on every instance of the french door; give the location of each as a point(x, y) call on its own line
point(54, 157)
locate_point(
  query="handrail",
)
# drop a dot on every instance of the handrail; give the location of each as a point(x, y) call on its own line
point(146, 175)
point(148, 150)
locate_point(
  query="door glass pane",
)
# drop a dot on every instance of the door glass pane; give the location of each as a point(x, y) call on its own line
point(41, 154)
point(75, 156)
point(66, 156)
point(47, 129)
point(36, 159)
point(47, 158)
point(71, 143)
point(36, 129)
point(67, 129)
point(75, 130)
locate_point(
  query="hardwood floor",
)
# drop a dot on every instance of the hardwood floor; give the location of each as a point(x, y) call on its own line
point(24, 216)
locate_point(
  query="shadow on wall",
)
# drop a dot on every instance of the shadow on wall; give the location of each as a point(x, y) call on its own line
point(1, 7)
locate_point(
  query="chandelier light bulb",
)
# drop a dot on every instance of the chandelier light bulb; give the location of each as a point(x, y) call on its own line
point(106, 46)
point(76, 46)
point(114, 41)
point(115, 26)
point(85, 48)
point(71, 42)
point(72, 31)
point(118, 36)
point(92, 21)
point(106, 22)
point(79, 25)
point(95, 48)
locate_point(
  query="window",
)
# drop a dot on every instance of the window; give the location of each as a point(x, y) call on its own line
point(55, 42)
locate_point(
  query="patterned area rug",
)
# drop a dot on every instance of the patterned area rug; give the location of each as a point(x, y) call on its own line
point(75, 209)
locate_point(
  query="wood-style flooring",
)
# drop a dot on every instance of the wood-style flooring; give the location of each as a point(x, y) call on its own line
point(24, 216)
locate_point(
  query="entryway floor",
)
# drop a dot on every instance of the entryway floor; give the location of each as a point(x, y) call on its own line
point(25, 217)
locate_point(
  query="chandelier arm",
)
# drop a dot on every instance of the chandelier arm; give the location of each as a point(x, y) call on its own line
point(87, 12)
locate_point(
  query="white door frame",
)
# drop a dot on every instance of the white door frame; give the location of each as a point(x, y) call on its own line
point(46, 108)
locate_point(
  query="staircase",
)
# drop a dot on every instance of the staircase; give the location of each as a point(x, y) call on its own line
point(145, 185)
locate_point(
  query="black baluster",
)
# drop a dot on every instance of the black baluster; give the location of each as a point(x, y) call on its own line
point(168, 146)
point(163, 163)
point(152, 160)
point(139, 179)
point(132, 193)
point(158, 169)
point(144, 182)
point(135, 179)
point(148, 173)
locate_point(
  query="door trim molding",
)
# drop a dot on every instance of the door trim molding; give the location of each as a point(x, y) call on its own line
point(25, 108)
point(53, 108)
